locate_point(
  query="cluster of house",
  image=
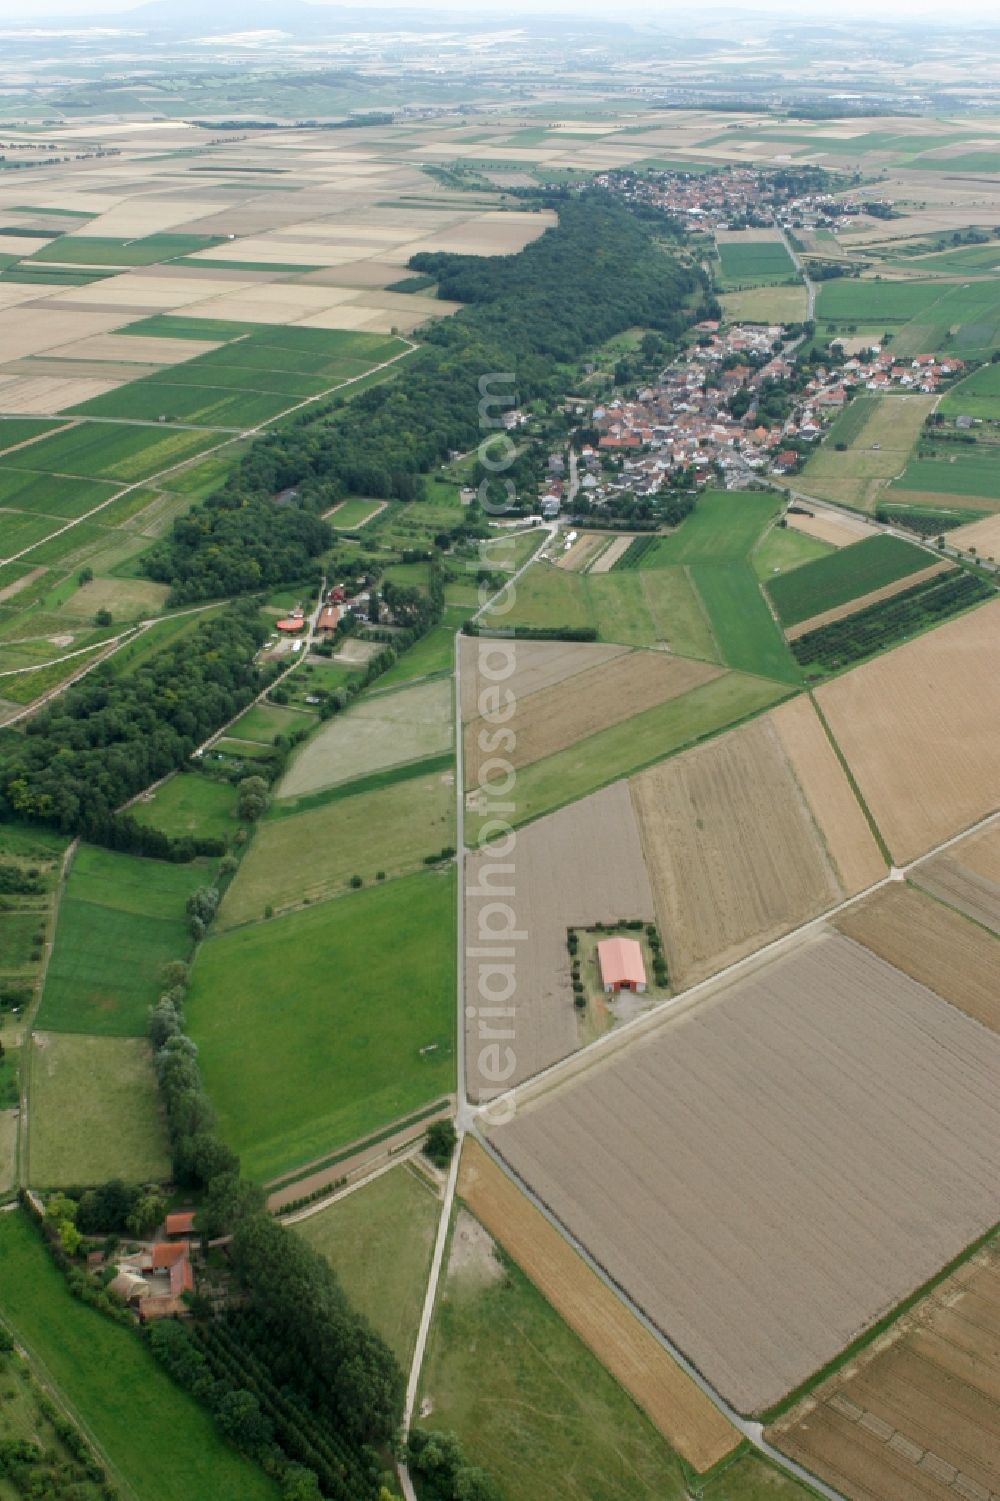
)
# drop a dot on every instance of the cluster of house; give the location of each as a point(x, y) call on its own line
point(878, 369)
point(295, 622)
point(731, 194)
point(153, 1280)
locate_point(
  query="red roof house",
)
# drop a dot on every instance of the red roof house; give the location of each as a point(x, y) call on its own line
point(181, 1223)
point(621, 965)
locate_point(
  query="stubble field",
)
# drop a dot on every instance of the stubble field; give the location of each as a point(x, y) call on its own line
point(967, 876)
point(919, 728)
point(675, 1161)
point(526, 668)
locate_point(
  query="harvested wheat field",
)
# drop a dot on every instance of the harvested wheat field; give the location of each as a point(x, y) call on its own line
point(967, 876)
point(827, 526)
point(862, 601)
point(667, 1395)
point(576, 867)
point(916, 1417)
point(769, 1171)
point(983, 535)
point(919, 728)
point(934, 945)
point(523, 667)
point(734, 853)
point(609, 557)
point(849, 840)
point(545, 722)
point(582, 551)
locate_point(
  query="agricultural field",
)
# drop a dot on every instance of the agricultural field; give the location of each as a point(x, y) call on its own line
point(967, 877)
point(767, 304)
point(847, 300)
point(351, 1014)
point(753, 258)
point(867, 603)
point(933, 944)
point(846, 575)
point(94, 1112)
point(264, 722)
point(529, 667)
point(983, 536)
point(915, 1414)
point(976, 396)
point(102, 450)
point(876, 453)
point(548, 598)
point(786, 547)
point(918, 727)
point(549, 721)
point(744, 628)
point(381, 730)
point(734, 846)
point(577, 867)
point(156, 1439)
point(680, 1187)
point(625, 748)
point(190, 805)
point(115, 905)
point(667, 1395)
point(723, 528)
point(503, 1411)
point(313, 855)
point(970, 473)
point(379, 1240)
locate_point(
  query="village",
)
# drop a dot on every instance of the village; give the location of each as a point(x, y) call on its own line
point(738, 196)
point(733, 409)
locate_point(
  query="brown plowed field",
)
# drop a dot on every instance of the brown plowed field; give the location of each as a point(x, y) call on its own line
point(576, 867)
point(918, 1414)
point(983, 535)
point(771, 1170)
point(536, 665)
point(837, 812)
point(864, 600)
point(734, 854)
point(829, 527)
point(549, 720)
point(582, 551)
point(936, 946)
point(666, 1394)
point(967, 876)
point(919, 728)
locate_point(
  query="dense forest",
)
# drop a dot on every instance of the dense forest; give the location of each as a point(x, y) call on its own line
point(107, 738)
point(599, 271)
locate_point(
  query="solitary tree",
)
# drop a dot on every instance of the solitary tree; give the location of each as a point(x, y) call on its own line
point(252, 801)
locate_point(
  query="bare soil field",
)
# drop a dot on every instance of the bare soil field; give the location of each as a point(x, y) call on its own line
point(582, 551)
point(377, 732)
point(825, 617)
point(667, 1395)
point(47, 393)
point(967, 877)
point(607, 559)
point(918, 1414)
point(919, 728)
point(839, 815)
point(548, 721)
point(934, 945)
point(983, 535)
point(734, 854)
point(576, 867)
point(723, 1167)
point(524, 667)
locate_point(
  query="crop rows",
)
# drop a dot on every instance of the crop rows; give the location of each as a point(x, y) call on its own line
point(632, 556)
point(861, 635)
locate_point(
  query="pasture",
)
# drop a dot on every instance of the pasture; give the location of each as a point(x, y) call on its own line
point(264, 722)
point(723, 528)
point(314, 854)
point(844, 575)
point(545, 1414)
point(978, 395)
point(652, 608)
point(849, 300)
point(380, 730)
point(121, 919)
point(917, 727)
point(786, 547)
point(972, 471)
point(876, 453)
point(379, 1241)
point(669, 1398)
point(915, 1411)
point(766, 304)
point(546, 597)
point(188, 804)
point(157, 1439)
point(95, 1114)
point(351, 1015)
point(627, 747)
point(742, 624)
point(681, 1190)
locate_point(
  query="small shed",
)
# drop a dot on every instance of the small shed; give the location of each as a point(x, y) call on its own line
point(180, 1223)
point(621, 965)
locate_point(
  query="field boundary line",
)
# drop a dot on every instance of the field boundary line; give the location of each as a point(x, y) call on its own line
point(877, 835)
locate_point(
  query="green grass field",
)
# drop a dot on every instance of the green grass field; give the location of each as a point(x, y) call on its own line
point(313, 855)
point(723, 528)
point(263, 722)
point(22, 429)
point(845, 574)
point(190, 804)
point(433, 653)
point(151, 400)
point(94, 1112)
point(354, 512)
point(157, 1439)
point(755, 263)
point(784, 548)
point(325, 1043)
point(748, 636)
point(546, 597)
point(847, 300)
point(624, 748)
point(379, 1242)
point(57, 1473)
point(529, 1401)
point(977, 396)
point(81, 249)
point(102, 450)
point(120, 920)
point(972, 471)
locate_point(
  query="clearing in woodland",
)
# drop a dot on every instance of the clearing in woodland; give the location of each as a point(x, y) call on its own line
point(673, 1160)
point(919, 727)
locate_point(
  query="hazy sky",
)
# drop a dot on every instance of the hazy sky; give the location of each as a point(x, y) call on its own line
point(977, 10)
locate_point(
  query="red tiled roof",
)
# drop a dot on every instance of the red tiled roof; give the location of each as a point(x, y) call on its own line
point(621, 961)
point(168, 1254)
point(181, 1223)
